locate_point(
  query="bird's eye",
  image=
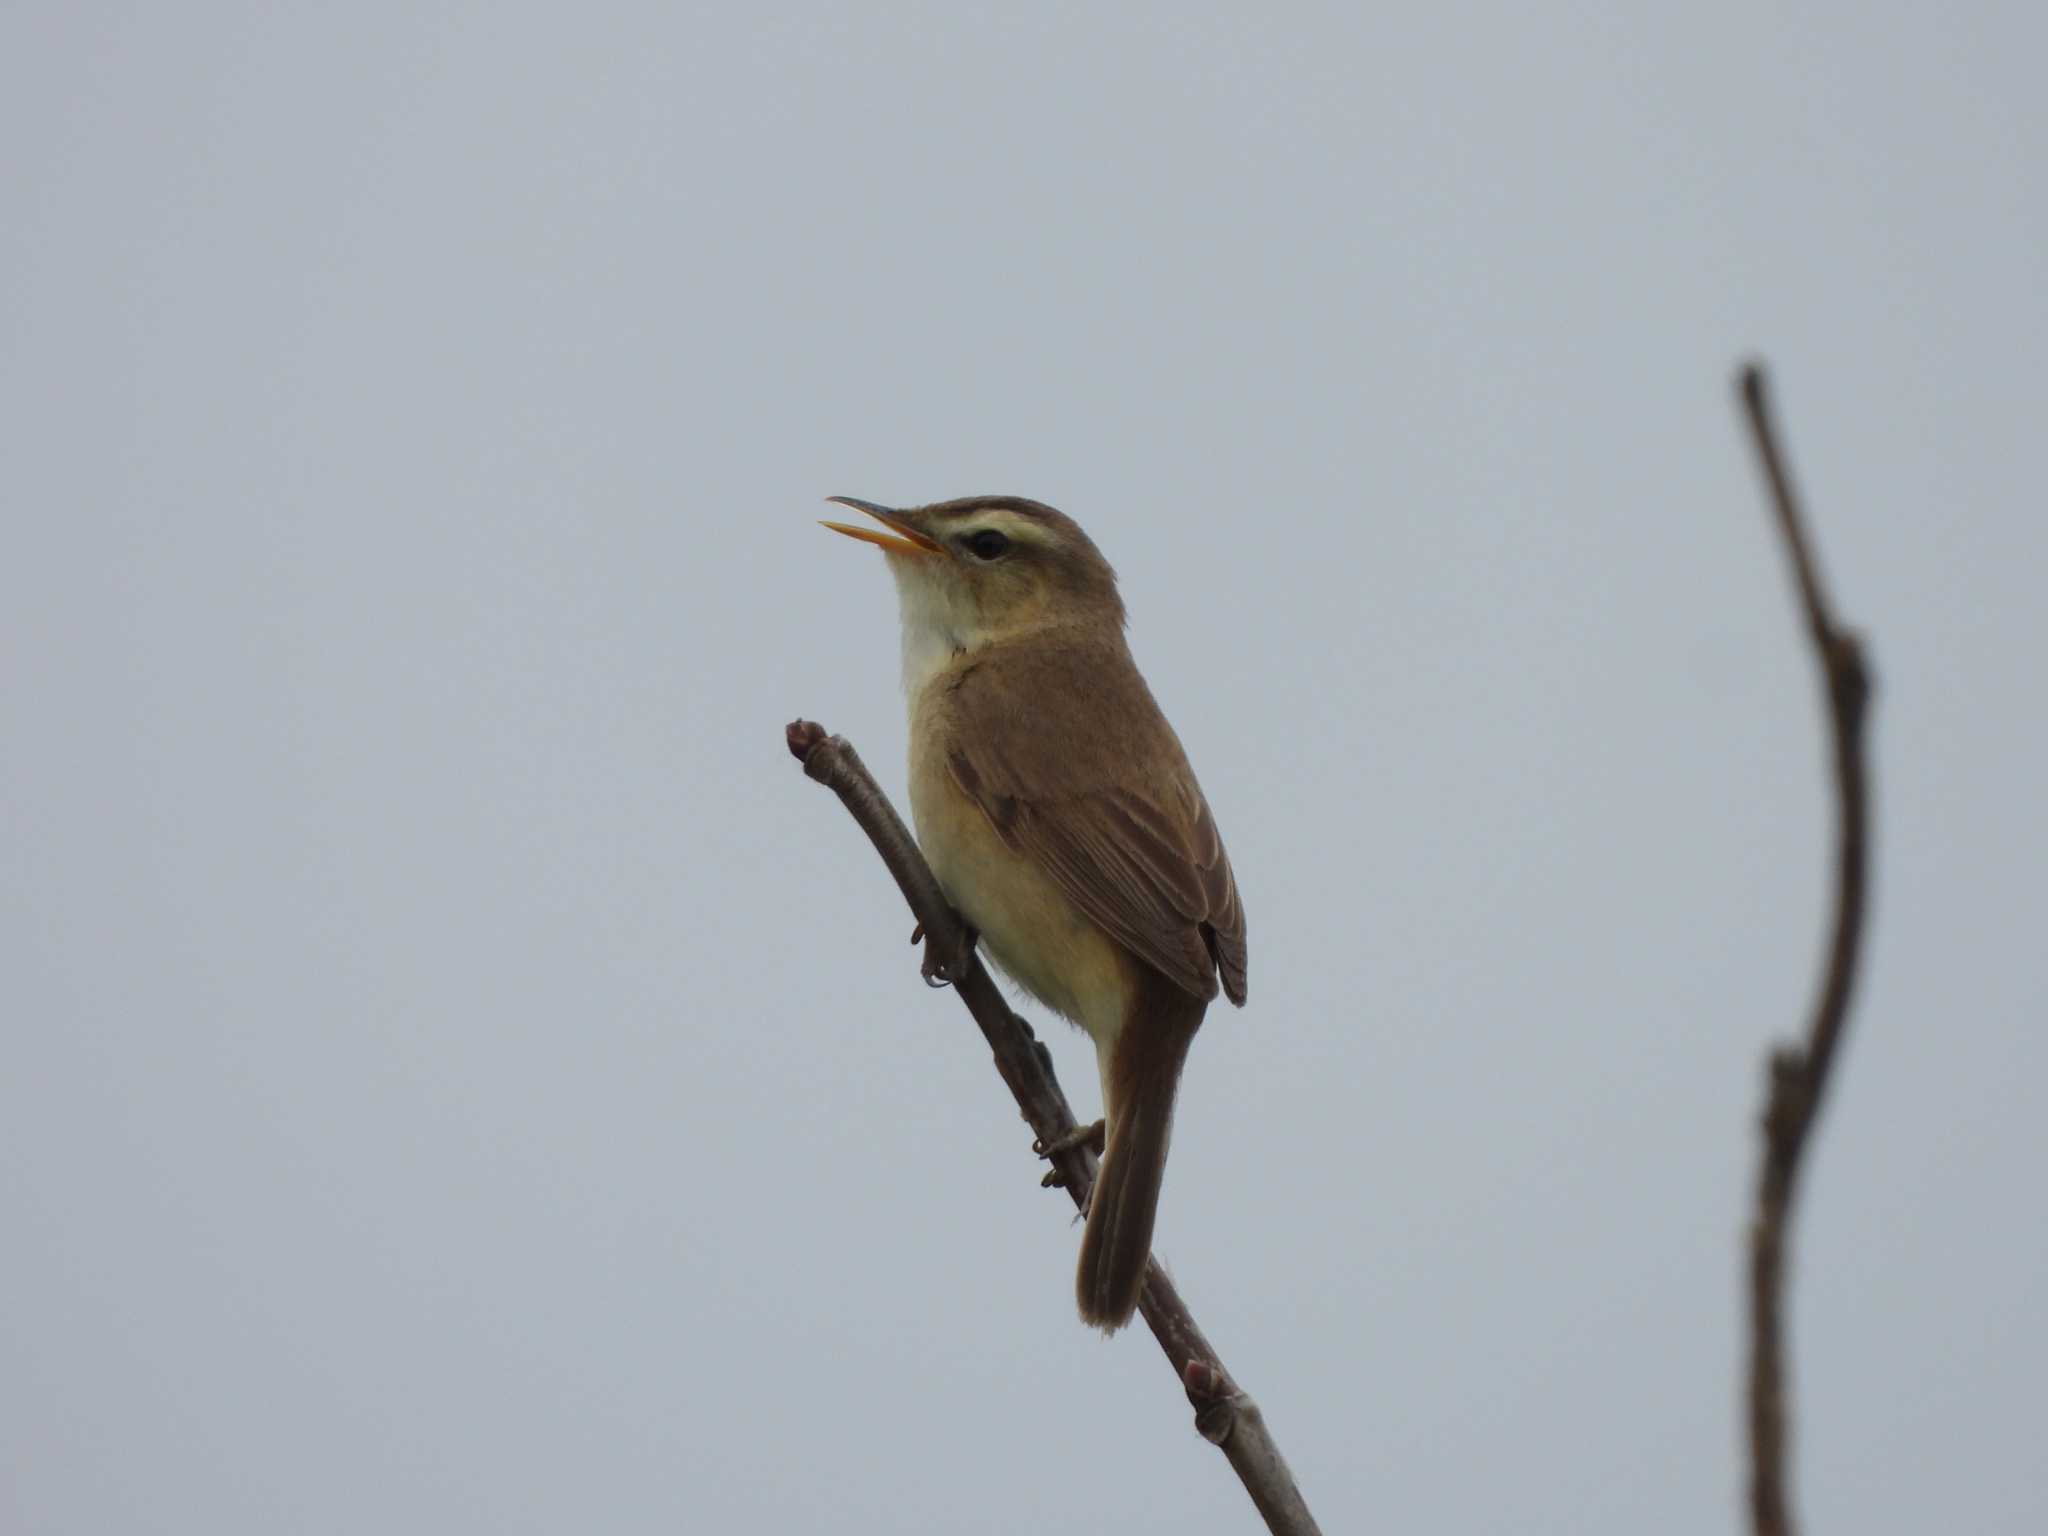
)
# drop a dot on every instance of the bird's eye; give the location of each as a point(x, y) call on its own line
point(988, 545)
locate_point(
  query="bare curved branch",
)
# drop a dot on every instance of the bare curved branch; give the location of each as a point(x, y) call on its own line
point(1224, 1414)
point(1799, 1073)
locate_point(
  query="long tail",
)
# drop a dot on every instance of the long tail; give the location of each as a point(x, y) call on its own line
point(1143, 1078)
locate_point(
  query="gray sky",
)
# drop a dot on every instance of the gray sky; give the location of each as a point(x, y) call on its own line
point(463, 1078)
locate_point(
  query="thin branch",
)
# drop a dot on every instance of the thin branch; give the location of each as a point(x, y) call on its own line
point(1799, 1073)
point(1224, 1413)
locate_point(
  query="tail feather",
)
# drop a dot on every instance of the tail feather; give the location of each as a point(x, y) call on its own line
point(1121, 1212)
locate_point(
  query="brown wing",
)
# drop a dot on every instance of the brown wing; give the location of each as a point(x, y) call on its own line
point(1112, 813)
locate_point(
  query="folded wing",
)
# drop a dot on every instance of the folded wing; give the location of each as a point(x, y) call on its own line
point(1143, 859)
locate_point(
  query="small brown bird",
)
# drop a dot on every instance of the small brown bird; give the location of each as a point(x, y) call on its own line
point(1058, 810)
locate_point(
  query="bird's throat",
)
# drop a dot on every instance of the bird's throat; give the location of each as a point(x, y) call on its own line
point(938, 622)
point(928, 649)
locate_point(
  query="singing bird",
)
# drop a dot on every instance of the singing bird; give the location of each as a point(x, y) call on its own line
point(1056, 807)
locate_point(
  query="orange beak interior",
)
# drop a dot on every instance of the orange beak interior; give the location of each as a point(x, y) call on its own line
point(902, 539)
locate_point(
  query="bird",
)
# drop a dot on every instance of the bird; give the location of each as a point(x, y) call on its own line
point(1058, 811)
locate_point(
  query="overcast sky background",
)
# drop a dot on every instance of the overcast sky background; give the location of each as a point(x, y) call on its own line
point(461, 1077)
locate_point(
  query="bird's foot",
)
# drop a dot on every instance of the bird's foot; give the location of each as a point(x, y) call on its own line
point(1092, 1137)
point(943, 970)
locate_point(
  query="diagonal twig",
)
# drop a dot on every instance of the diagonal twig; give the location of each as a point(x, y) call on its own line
point(1799, 1073)
point(1224, 1413)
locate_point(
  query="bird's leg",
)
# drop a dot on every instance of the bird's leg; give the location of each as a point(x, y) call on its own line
point(944, 970)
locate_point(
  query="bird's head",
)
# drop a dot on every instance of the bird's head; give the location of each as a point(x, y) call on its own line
point(985, 568)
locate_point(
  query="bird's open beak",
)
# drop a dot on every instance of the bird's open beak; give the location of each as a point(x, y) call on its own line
point(912, 541)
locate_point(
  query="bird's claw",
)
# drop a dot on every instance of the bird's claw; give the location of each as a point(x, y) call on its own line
point(1090, 1136)
point(941, 970)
